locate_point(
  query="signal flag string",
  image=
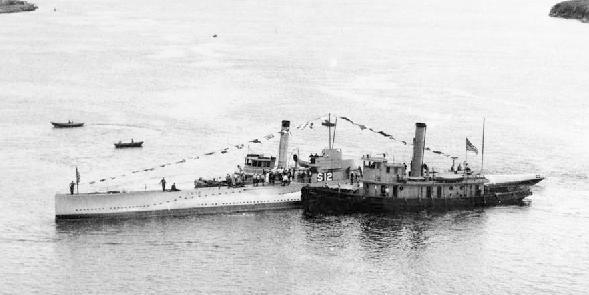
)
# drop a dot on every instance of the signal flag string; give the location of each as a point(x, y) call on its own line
point(391, 137)
point(195, 157)
point(306, 125)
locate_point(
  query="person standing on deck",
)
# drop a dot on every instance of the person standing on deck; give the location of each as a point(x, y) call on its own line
point(228, 180)
point(72, 185)
point(163, 182)
point(466, 168)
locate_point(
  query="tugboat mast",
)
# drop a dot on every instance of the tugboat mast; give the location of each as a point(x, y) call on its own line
point(483, 148)
point(334, 129)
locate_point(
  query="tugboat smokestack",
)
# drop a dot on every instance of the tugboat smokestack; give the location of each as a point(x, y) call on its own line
point(418, 149)
point(283, 147)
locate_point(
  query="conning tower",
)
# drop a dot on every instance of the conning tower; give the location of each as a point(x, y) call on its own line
point(418, 149)
point(283, 146)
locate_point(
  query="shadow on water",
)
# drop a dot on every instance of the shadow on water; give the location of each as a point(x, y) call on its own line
point(102, 226)
point(377, 233)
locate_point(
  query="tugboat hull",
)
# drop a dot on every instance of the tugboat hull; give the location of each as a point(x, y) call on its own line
point(320, 200)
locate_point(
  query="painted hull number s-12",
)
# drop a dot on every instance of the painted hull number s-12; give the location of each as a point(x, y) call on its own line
point(326, 176)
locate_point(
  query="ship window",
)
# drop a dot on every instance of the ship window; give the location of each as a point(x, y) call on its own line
point(388, 169)
point(451, 188)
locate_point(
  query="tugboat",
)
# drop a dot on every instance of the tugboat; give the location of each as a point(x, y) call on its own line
point(68, 124)
point(387, 187)
point(132, 144)
point(264, 183)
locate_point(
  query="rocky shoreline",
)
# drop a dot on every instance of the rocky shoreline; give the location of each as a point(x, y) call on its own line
point(576, 9)
point(11, 6)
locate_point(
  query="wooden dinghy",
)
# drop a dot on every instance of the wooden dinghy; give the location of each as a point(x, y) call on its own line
point(69, 124)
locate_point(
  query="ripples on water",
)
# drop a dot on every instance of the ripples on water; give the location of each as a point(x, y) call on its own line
point(283, 251)
point(151, 71)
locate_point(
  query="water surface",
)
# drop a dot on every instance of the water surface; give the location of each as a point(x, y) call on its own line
point(152, 71)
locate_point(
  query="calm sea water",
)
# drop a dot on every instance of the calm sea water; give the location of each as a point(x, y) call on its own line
point(150, 70)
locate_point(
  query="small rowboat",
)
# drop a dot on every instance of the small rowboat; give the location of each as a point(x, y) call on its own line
point(66, 124)
point(132, 144)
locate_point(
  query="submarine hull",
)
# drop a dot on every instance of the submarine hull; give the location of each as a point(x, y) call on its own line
point(206, 200)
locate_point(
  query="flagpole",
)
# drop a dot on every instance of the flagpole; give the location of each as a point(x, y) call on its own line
point(77, 181)
point(483, 148)
point(465, 157)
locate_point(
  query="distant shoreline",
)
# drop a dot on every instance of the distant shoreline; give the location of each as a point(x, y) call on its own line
point(576, 9)
point(11, 6)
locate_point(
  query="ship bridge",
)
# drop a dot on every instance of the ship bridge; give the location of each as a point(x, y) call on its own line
point(380, 170)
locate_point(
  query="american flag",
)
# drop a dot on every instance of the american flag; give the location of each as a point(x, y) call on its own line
point(77, 176)
point(471, 147)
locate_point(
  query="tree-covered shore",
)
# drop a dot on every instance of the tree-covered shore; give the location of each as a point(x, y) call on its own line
point(9, 6)
point(577, 9)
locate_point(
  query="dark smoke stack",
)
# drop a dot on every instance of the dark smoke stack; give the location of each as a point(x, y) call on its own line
point(418, 148)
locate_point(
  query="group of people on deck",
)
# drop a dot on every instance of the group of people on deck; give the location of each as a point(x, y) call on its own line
point(459, 168)
point(282, 176)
